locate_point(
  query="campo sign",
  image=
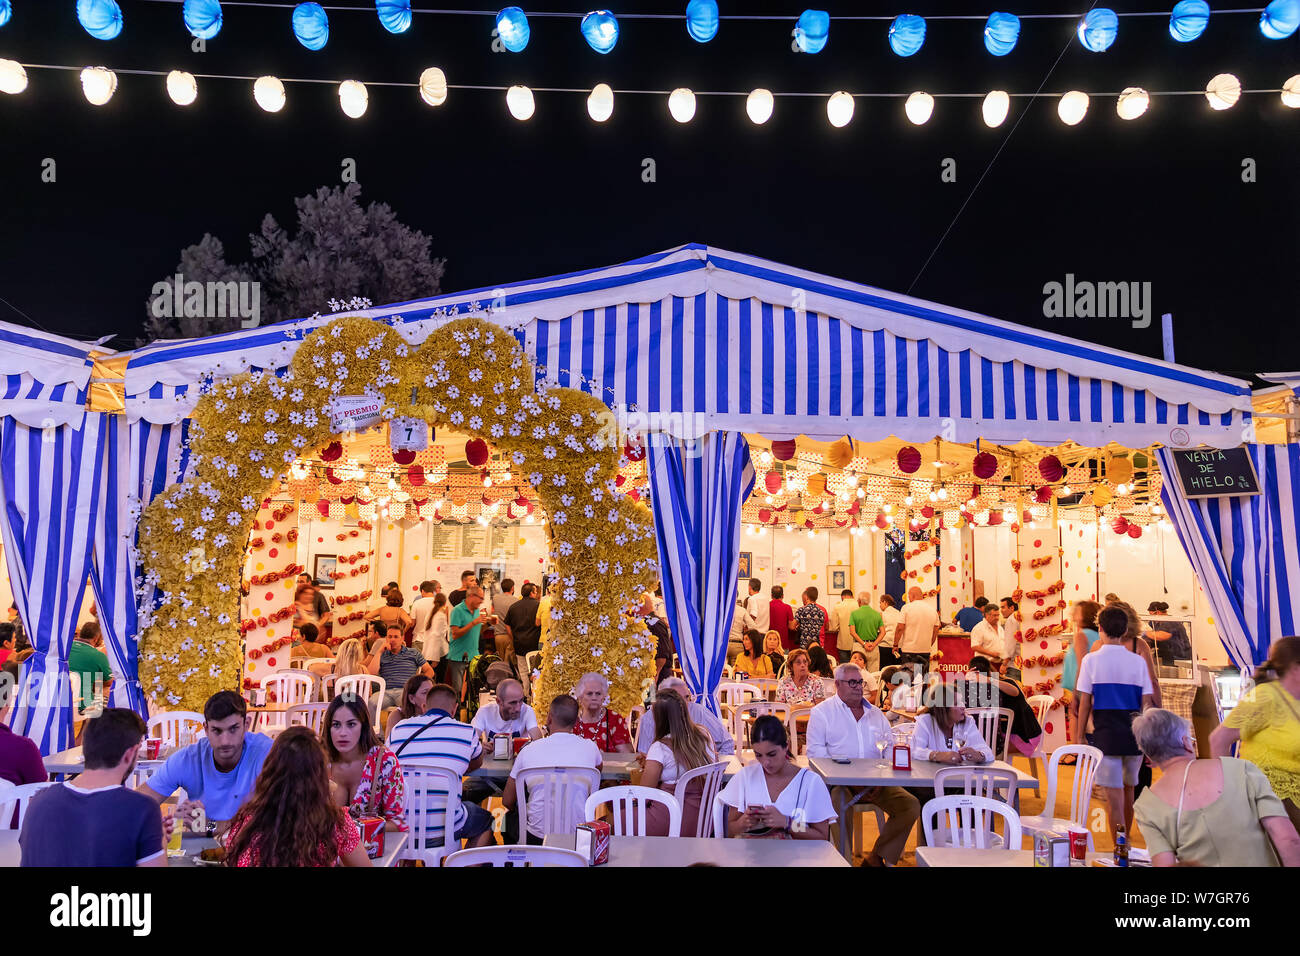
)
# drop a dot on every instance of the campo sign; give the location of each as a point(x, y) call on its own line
point(1216, 472)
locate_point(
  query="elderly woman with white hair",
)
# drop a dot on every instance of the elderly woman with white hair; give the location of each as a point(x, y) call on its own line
point(1219, 811)
point(596, 722)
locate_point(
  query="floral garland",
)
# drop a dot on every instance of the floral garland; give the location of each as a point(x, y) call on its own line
point(469, 375)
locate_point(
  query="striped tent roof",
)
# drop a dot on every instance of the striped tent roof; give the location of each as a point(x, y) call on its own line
point(697, 338)
point(44, 377)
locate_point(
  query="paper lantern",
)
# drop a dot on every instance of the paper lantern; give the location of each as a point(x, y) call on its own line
point(395, 15)
point(311, 25)
point(1101, 496)
point(812, 30)
point(758, 104)
point(1119, 471)
point(909, 460)
point(202, 18)
point(1072, 107)
point(519, 100)
point(600, 103)
point(681, 104)
point(415, 475)
point(512, 28)
point(1050, 467)
point(918, 107)
point(702, 20)
point(882, 521)
point(1001, 31)
point(996, 106)
point(99, 84)
point(323, 507)
point(994, 518)
point(839, 109)
point(633, 450)
point(1132, 102)
point(1188, 20)
point(476, 452)
point(1097, 29)
point(840, 454)
point(907, 34)
point(182, 87)
point(772, 482)
point(1223, 91)
point(1134, 531)
point(13, 78)
point(985, 465)
point(1280, 19)
point(765, 515)
point(1119, 525)
point(433, 86)
point(1291, 92)
point(353, 98)
point(783, 450)
point(6, 11)
point(102, 19)
point(816, 485)
point(600, 30)
point(1043, 495)
point(268, 91)
point(332, 452)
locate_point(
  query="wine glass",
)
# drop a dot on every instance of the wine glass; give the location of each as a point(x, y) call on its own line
point(960, 740)
point(881, 743)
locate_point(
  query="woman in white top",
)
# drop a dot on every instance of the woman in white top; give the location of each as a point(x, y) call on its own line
point(773, 798)
point(438, 643)
point(947, 735)
point(680, 746)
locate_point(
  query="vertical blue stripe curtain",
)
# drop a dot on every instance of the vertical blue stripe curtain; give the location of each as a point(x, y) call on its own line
point(697, 489)
point(1245, 551)
point(49, 489)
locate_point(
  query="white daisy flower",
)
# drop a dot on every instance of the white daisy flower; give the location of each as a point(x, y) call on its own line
point(548, 452)
point(475, 423)
point(457, 418)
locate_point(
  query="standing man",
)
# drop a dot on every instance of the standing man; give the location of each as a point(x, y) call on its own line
point(91, 666)
point(396, 664)
point(501, 604)
point(888, 644)
point(521, 627)
point(842, 624)
point(918, 627)
point(757, 618)
point(467, 620)
point(986, 638)
point(866, 622)
point(1010, 635)
point(664, 648)
point(320, 602)
point(781, 618)
point(811, 619)
point(457, 597)
point(968, 618)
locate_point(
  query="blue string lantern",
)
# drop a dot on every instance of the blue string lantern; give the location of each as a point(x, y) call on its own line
point(512, 29)
point(907, 34)
point(702, 20)
point(395, 15)
point(600, 30)
point(6, 11)
point(1097, 29)
point(1001, 32)
point(311, 25)
point(101, 18)
point(202, 18)
point(1189, 19)
point(812, 31)
point(1280, 19)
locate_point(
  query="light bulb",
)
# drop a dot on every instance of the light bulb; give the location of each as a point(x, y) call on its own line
point(943, 494)
point(908, 501)
point(839, 109)
point(505, 476)
point(812, 534)
point(519, 100)
point(934, 496)
point(768, 499)
point(487, 481)
point(99, 84)
point(268, 91)
point(862, 492)
point(1065, 491)
point(353, 98)
point(1121, 489)
point(759, 105)
point(600, 104)
point(789, 527)
point(681, 104)
point(888, 508)
point(182, 88)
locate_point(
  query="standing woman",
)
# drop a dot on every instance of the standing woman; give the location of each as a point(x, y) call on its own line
point(392, 614)
point(1084, 618)
point(773, 798)
point(438, 642)
point(365, 773)
point(680, 746)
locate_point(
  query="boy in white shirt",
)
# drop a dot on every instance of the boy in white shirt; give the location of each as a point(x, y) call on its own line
point(560, 748)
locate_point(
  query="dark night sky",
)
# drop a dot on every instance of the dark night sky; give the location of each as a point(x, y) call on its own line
point(1159, 200)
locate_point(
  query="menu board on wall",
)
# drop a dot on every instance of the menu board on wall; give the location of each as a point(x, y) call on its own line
point(474, 541)
point(444, 542)
point(504, 542)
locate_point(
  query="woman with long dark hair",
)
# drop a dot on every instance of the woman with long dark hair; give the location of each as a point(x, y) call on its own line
point(751, 661)
point(680, 746)
point(366, 773)
point(290, 820)
point(773, 797)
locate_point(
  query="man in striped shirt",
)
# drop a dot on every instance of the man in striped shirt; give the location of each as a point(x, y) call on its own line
point(437, 739)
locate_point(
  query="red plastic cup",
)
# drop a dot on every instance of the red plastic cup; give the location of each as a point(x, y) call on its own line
point(1078, 844)
point(518, 744)
point(153, 746)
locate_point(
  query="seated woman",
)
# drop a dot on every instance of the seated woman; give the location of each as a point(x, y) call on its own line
point(290, 819)
point(391, 614)
point(772, 649)
point(680, 746)
point(596, 722)
point(1219, 811)
point(819, 663)
point(413, 702)
point(1026, 732)
point(800, 687)
point(947, 735)
point(751, 662)
point(772, 797)
point(366, 774)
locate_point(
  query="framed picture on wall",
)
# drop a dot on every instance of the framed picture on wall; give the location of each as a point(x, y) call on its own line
point(746, 564)
point(323, 566)
point(837, 578)
point(489, 579)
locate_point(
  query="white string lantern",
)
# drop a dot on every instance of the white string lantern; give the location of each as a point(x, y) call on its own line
point(996, 106)
point(268, 91)
point(1132, 103)
point(1290, 92)
point(519, 100)
point(839, 109)
point(759, 105)
point(99, 84)
point(13, 78)
point(681, 104)
point(600, 104)
point(353, 98)
point(1072, 107)
point(919, 107)
point(1223, 91)
point(433, 86)
point(182, 87)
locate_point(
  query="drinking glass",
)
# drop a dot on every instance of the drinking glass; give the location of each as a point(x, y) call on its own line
point(882, 743)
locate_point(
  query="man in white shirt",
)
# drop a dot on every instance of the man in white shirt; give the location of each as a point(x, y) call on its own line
point(889, 616)
point(918, 629)
point(508, 714)
point(986, 637)
point(723, 742)
point(1010, 629)
point(560, 748)
point(846, 725)
point(756, 610)
point(841, 626)
point(422, 614)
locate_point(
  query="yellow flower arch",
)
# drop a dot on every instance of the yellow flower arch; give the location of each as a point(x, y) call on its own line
point(469, 375)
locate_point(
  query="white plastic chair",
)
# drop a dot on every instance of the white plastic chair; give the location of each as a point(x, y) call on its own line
point(19, 798)
point(710, 777)
point(431, 793)
point(828, 685)
point(310, 715)
point(364, 686)
point(986, 782)
point(735, 693)
point(967, 823)
point(767, 685)
point(720, 817)
point(629, 804)
point(170, 725)
point(753, 710)
point(558, 789)
point(290, 687)
point(1042, 705)
point(989, 719)
point(1087, 760)
point(515, 855)
point(797, 712)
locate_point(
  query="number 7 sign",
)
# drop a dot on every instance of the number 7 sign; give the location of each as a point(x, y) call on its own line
point(408, 434)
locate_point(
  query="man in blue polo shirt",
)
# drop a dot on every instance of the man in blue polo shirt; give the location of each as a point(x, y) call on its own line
point(219, 771)
point(968, 618)
point(466, 621)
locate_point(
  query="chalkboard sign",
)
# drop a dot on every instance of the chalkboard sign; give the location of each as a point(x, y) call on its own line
point(1216, 472)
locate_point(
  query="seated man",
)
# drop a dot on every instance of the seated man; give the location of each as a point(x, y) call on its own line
point(92, 820)
point(439, 739)
point(723, 742)
point(218, 772)
point(847, 726)
point(508, 714)
point(396, 664)
point(560, 748)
